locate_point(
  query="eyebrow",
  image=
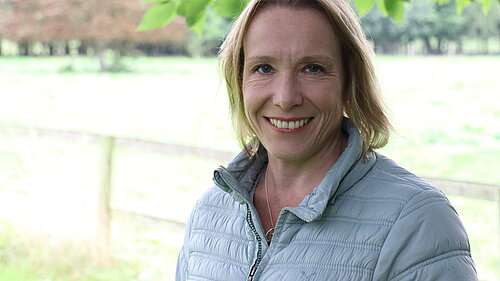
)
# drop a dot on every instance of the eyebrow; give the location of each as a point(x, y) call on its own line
point(316, 58)
point(257, 59)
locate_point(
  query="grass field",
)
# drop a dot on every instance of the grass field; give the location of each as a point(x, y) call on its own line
point(445, 111)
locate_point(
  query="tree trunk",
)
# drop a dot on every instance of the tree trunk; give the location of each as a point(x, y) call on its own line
point(82, 48)
point(486, 48)
point(103, 200)
point(439, 47)
point(428, 46)
point(51, 49)
point(460, 47)
point(23, 49)
point(67, 51)
point(101, 48)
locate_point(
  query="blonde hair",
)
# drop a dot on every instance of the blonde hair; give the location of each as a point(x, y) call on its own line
point(363, 104)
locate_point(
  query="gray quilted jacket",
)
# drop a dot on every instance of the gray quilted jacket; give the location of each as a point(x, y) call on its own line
point(366, 220)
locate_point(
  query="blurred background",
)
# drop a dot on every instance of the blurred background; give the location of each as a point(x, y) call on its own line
point(108, 135)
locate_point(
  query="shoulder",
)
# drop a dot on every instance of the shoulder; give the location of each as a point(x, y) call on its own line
point(426, 232)
point(416, 196)
point(388, 177)
point(217, 202)
point(387, 180)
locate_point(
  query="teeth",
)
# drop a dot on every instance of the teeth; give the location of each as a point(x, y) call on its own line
point(288, 125)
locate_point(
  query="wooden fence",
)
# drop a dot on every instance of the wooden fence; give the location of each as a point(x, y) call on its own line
point(108, 145)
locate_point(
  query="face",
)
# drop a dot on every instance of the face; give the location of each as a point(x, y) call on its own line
point(293, 83)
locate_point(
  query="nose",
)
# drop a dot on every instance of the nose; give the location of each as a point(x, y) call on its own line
point(287, 94)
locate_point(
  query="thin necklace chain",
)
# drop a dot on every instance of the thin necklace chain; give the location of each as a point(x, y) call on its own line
point(270, 232)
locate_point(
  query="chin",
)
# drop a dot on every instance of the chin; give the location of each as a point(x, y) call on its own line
point(287, 153)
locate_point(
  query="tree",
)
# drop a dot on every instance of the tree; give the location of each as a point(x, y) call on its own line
point(382, 31)
point(214, 33)
point(435, 24)
point(95, 24)
point(483, 27)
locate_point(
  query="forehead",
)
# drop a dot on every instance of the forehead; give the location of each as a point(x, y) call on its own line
point(290, 30)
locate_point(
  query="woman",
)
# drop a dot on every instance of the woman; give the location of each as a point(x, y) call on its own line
point(309, 199)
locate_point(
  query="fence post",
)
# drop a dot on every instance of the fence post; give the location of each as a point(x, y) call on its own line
point(104, 195)
point(497, 201)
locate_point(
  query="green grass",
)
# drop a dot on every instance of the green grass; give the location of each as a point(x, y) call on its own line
point(163, 99)
point(15, 273)
point(34, 257)
point(444, 109)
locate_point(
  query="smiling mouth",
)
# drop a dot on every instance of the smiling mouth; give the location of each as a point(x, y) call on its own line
point(289, 124)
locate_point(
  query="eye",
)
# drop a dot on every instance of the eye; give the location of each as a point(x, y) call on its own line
point(314, 68)
point(264, 69)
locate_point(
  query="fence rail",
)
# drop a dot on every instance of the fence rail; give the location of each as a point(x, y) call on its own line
point(108, 145)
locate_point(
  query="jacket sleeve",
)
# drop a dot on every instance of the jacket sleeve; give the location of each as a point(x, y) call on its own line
point(427, 242)
point(181, 270)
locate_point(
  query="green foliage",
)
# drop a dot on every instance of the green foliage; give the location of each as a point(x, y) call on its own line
point(486, 4)
point(195, 13)
point(382, 31)
point(461, 4)
point(194, 10)
point(434, 26)
point(481, 25)
point(392, 8)
point(363, 6)
point(229, 8)
point(160, 14)
point(214, 32)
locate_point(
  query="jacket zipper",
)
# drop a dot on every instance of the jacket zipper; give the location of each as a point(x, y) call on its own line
point(254, 267)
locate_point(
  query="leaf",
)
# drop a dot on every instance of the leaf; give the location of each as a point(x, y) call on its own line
point(395, 9)
point(441, 2)
point(192, 8)
point(197, 22)
point(381, 7)
point(363, 6)
point(198, 25)
point(156, 1)
point(158, 15)
point(195, 13)
point(486, 4)
point(229, 8)
point(461, 4)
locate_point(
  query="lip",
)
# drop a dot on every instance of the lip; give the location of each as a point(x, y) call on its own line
point(292, 119)
point(287, 119)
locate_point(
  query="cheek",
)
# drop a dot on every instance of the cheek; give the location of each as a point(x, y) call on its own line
point(249, 105)
point(327, 95)
point(253, 98)
point(329, 103)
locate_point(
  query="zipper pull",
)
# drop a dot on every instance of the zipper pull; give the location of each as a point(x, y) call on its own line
point(252, 273)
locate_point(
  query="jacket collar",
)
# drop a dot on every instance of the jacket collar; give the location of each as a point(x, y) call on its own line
point(240, 175)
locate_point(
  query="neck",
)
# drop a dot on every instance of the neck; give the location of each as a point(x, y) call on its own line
point(300, 177)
